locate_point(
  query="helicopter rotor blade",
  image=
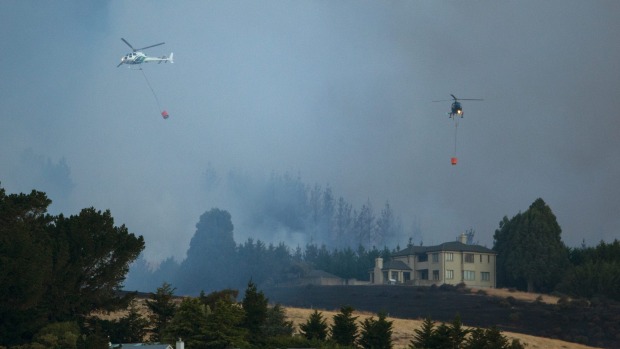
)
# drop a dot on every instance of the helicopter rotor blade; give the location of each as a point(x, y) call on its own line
point(454, 97)
point(128, 44)
point(470, 99)
point(144, 48)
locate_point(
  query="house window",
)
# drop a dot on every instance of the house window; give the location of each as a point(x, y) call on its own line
point(480, 258)
point(423, 274)
point(488, 258)
point(469, 257)
point(422, 258)
point(449, 256)
point(435, 257)
point(435, 274)
point(469, 275)
point(395, 275)
point(449, 274)
point(406, 276)
point(485, 276)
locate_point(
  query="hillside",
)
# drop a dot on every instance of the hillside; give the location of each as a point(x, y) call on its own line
point(404, 330)
point(595, 324)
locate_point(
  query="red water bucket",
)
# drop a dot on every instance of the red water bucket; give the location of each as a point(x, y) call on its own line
point(454, 160)
point(164, 114)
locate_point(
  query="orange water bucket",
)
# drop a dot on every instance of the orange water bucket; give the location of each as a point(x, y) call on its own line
point(454, 160)
point(164, 114)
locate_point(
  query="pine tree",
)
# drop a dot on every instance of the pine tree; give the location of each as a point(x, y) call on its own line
point(162, 308)
point(255, 307)
point(315, 327)
point(344, 328)
point(223, 327)
point(531, 254)
point(276, 323)
point(457, 333)
point(376, 334)
point(189, 322)
point(26, 252)
point(424, 336)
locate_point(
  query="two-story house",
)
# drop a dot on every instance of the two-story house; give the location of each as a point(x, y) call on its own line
point(448, 263)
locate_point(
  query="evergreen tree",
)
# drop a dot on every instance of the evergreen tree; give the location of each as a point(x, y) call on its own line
point(530, 250)
point(189, 322)
point(424, 336)
point(90, 260)
point(276, 323)
point(255, 307)
point(595, 271)
point(162, 308)
point(136, 325)
point(387, 228)
point(211, 257)
point(364, 225)
point(315, 327)
point(342, 222)
point(457, 333)
point(376, 334)
point(442, 337)
point(68, 267)
point(223, 326)
point(25, 263)
point(344, 327)
point(490, 338)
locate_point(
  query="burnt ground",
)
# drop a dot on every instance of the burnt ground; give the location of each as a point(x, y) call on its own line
point(595, 323)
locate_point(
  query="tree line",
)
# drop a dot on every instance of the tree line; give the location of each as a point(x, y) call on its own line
point(218, 321)
point(56, 270)
point(284, 203)
point(215, 261)
point(532, 257)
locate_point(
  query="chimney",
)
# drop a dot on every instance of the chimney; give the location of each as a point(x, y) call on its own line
point(180, 344)
point(379, 263)
point(463, 238)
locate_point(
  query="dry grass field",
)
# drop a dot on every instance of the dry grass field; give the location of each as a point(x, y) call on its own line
point(403, 329)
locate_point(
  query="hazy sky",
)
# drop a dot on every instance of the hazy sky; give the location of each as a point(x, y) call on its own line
point(337, 92)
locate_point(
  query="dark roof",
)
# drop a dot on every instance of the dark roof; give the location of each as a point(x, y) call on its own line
point(455, 246)
point(398, 265)
point(142, 345)
point(317, 273)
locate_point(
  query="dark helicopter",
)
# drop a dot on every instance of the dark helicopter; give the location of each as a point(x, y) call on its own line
point(456, 108)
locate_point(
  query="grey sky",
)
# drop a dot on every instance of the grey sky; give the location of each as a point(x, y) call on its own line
point(338, 92)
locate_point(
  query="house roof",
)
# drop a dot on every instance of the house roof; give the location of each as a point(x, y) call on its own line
point(398, 265)
point(142, 346)
point(317, 273)
point(455, 246)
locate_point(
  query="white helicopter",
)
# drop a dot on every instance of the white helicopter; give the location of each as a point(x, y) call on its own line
point(137, 57)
